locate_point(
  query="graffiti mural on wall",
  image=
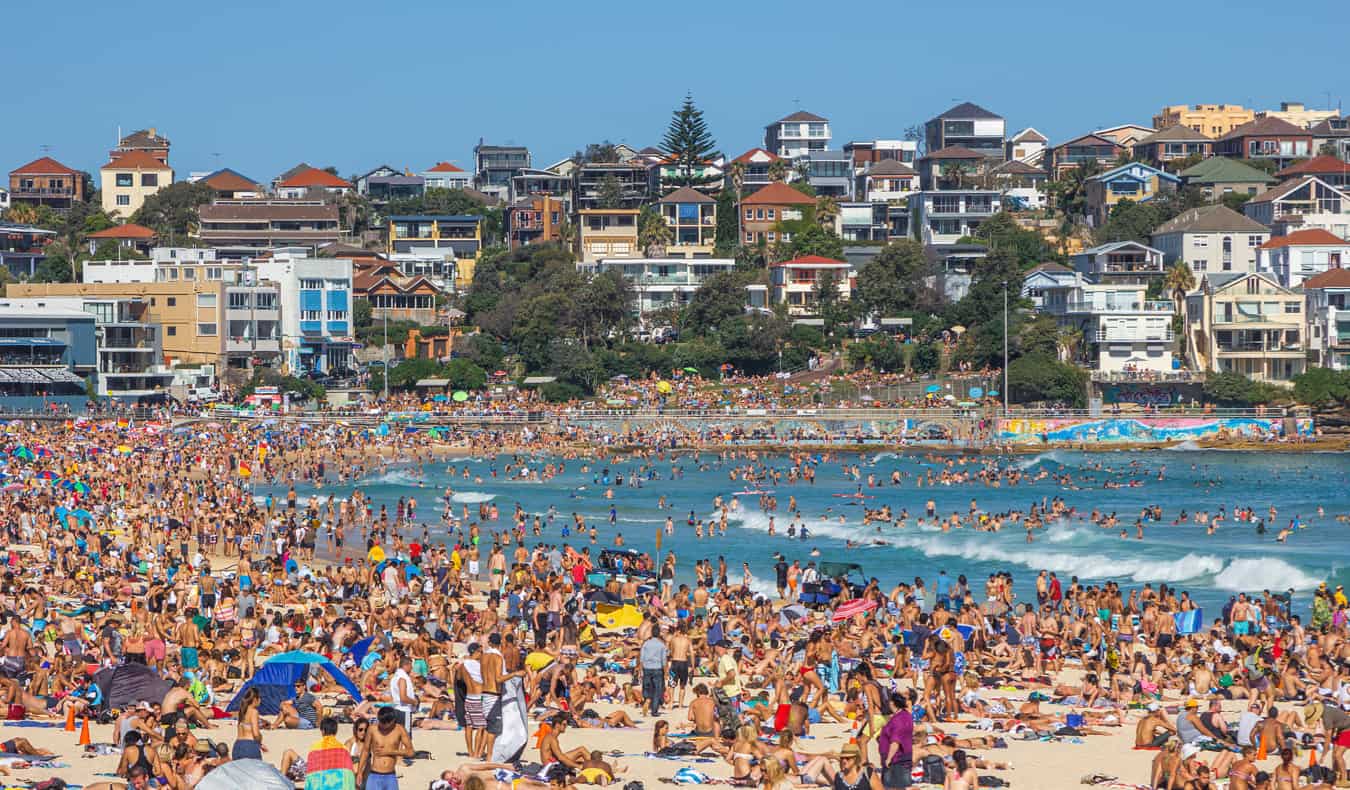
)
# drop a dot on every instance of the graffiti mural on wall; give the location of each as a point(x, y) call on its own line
point(1153, 430)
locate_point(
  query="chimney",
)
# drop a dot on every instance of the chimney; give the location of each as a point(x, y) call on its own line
point(152, 133)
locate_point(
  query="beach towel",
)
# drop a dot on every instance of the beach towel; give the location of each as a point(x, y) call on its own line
point(691, 776)
point(1190, 622)
point(329, 766)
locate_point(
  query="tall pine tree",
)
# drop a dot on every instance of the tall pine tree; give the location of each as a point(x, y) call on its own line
point(689, 145)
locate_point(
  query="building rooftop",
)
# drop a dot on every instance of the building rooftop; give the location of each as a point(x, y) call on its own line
point(134, 160)
point(1267, 126)
point(1222, 170)
point(129, 230)
point(686, 195)
point(45, 166)
point(800, 116)
point(314, 177)
point(1179, 133)
point(445, 167)
point(954, 152)
point(890, 167)
point(1312, 237)
point(1316, 166)
point(813, 262)
point(227, 180)
point(777, 194)
point(1210, 219)
point(1331, 278)
point(757, 154)
point(969, 110)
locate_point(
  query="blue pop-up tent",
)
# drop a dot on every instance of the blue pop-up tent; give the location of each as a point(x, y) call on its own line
point(276, 678)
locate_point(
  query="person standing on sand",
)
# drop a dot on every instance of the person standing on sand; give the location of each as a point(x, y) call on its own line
point(386, 743)
point(654, 658)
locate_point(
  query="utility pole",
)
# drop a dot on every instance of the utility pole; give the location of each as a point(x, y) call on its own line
point(385, 353)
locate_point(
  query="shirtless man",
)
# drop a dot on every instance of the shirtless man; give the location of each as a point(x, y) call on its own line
point(681, 651)
point(180, 702)
point(385, 744)
point(703, 714)
point(189, 639)
point(470, 673)
point(18, 644)
point(494, 676)
point(551, 753)
point(1154, 730)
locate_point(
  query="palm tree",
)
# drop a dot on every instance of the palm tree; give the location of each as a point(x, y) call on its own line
point(1069, 339)
point(23, 214)
point(653, 233)
point(736, 173)
point(827, 211)
point(778, 170)
point(955, 172)
point(1179, 281)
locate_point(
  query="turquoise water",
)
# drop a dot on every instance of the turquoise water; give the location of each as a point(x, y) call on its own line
point(1210, 567)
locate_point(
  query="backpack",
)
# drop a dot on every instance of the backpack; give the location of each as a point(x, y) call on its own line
point(727, 715)
point(934, 771)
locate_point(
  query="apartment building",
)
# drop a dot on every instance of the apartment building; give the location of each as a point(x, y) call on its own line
point(47, 182)
point(969, 126)
point(495, 165)
point(692, 218)
point(630, 182)
point(1120, 262)
point(1248, 324)
point(1211, 120)
point(1298, 256)
point(1328, 310)
point(129, 178)
point(1301, 204)
point(1172, 144)
point(1122, 330)
point(660, 283)
point(248, 227)
point(607, 233)
point(1211, 239)
point(1266, 138)
point(763, 213)
point(944, 217)
point(450, 236)
point(315, 296)
point(534, 219)
point(797, 135)
point(47, 351)
point(795, 283)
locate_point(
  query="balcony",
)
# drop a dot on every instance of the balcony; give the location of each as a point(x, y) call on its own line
point(1149, 376)
point(43, 192)
point(244, 345)
point(1142, 335)
point(1151, 306)
point(311, 327)
point(337, 327)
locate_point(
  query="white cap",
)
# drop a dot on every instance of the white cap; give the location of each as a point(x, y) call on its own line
point(1189, 750)
point(1153, 706)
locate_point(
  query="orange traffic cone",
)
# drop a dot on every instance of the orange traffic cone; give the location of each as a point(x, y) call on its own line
point(70, 719)
point(84, 733)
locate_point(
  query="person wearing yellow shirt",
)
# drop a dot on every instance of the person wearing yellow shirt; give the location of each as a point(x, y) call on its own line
point(1339, 597)
point(725, 672)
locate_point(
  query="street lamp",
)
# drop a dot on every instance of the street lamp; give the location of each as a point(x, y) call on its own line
point(1005, 348)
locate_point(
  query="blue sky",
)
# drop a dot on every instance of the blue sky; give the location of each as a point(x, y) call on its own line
point(267, 84)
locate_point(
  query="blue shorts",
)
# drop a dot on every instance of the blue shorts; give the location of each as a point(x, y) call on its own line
point(376, 781)
point(1241, 627)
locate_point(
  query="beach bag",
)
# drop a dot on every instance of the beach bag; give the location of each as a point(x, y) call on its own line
point(934, 771)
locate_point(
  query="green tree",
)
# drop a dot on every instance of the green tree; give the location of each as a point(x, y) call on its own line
point(688, 144)
point(361, 313)
point(1235, 200)
point(1230, 389)
point(827, 211)
point(610, 192)
point(722, 296)
point(892, 282)
point(605, 153)
point(1322, 386)
point(1130, 221)
point(1179, 281)
point(778, 170)
point(728, 233)
point(816, 240)
point(653, 233)
point(172, 211)
point(1041, 377)
point(437, 200)
point(55, 268)
point(464, 375)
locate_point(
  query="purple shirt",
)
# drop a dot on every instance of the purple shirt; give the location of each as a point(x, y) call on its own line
point(900, 732)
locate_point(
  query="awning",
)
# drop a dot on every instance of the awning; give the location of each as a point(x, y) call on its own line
point(30, 341)
point(433, 382)
point(11, 375)
point(530, 380)
point(306, 349)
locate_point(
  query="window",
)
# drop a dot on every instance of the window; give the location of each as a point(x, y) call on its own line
point(1254, 241)
point(124, 200)
point(206, 330)
point(206, 300)
point(771, 212)
point(213, 273)
point(1199, 264)
point(771, 235)
point(171, 331)
point(311, 285)
point(759, 213)
point(311, 315)
point(1200, 241)
point(1253, 285)
point(749, 237)
point(337, 315)
point(239, 300)
point(149, 179)
point(124, 179)
point(189, 274)
point(173, 301)
point(1291, 307)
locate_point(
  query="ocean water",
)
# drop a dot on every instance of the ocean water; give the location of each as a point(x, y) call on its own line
point(1210, 567)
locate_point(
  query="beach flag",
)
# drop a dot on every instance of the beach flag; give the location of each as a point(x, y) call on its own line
point(1190, 622)
point(329, 766)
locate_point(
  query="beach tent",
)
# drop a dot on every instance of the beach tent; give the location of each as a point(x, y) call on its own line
point(125, 685)
point(515, 732)
point(611, 616)
point(253, 774)
point(850, 608)
point(275, 680)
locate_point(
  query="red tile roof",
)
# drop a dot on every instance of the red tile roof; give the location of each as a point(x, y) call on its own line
point(777, 194)
point(445, 167)
point(230, 181)
point(129, 230)
point(1314, 166)
point(1312, 237)
point(135, 160)
point(955, 152)
point(812, 260)
point(314, 177)
point(45, 166)
point(1331, 278)
point(1267, 127)
point(749, 155)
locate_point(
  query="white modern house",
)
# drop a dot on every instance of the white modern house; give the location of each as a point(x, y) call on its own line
point(316, 305)
point(1123, 330)
point(1211, 238)
point(795, 282)
point(1294, 258)
point(1300, 204)
point(1120, 262)
point(165, 264)
point(662, 282)
point(945, 216)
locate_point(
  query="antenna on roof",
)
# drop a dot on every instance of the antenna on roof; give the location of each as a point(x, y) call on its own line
point(46, 149)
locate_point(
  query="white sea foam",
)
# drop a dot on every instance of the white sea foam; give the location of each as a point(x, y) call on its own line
point(1249, 575)
point(1049, 458)
point(397, 477)
point(1188, 446)
point(472, 497)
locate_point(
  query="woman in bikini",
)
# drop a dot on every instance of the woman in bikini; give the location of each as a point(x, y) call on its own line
point(744, 757)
